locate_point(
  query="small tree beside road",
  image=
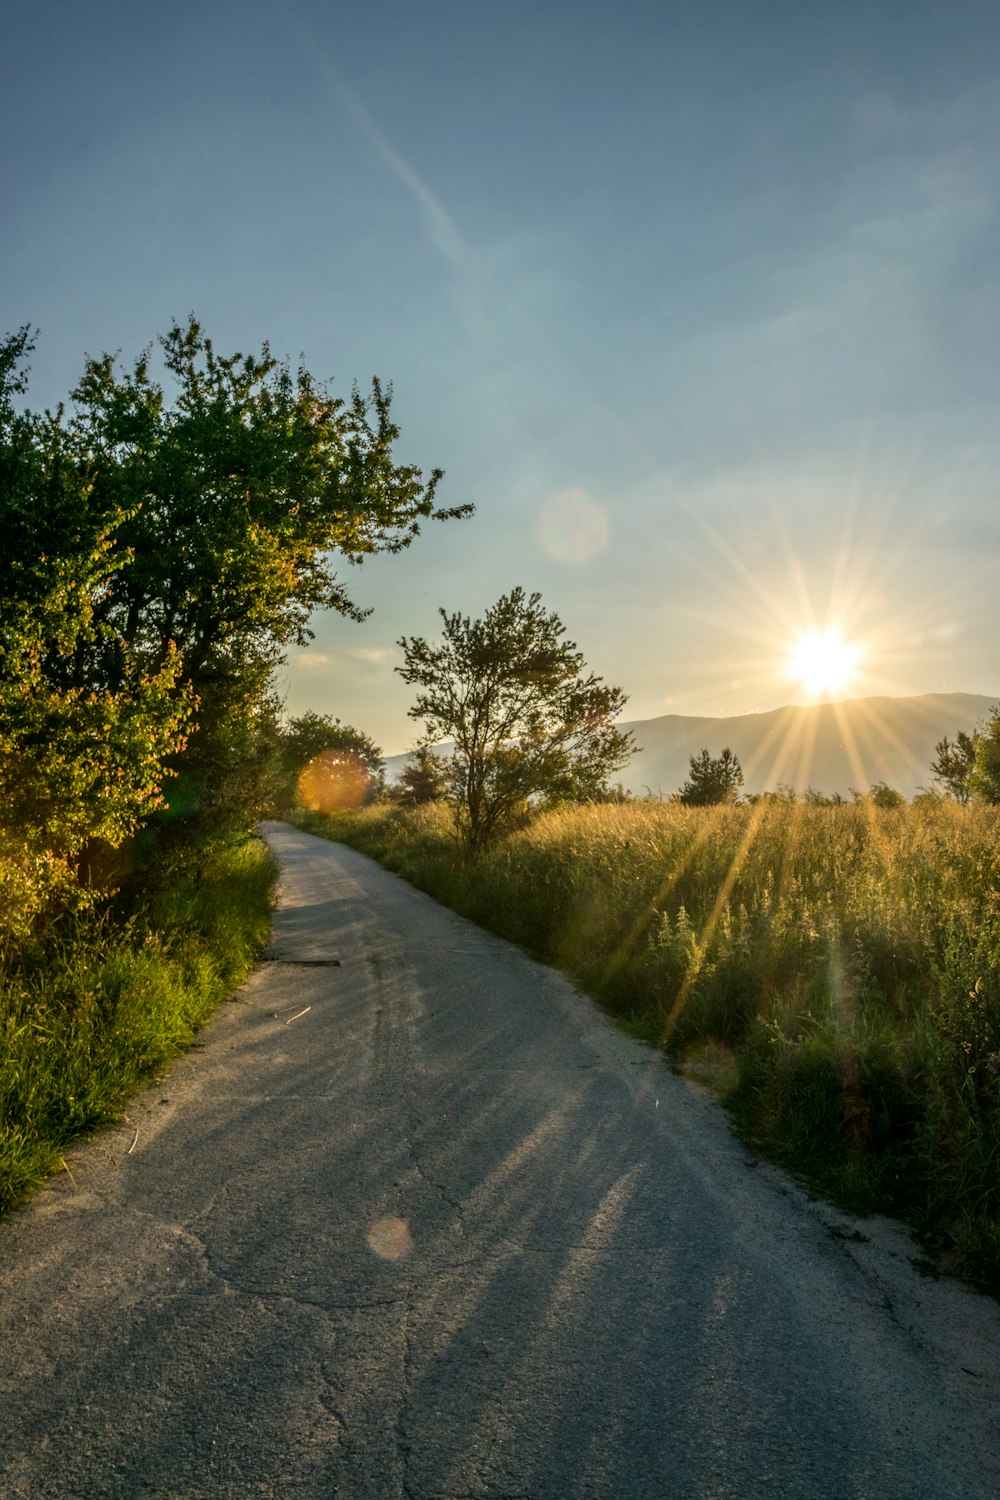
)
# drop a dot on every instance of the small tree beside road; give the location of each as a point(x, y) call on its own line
point(526, 719)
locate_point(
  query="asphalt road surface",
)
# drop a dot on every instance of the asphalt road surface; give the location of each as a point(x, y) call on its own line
point(423, 1224)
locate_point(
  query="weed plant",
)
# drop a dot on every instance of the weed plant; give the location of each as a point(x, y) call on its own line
point(105, 998)
point(835, 969)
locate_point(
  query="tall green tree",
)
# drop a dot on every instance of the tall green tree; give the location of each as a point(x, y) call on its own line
point(954, 763)
point(233, 490)
point(526, 719)
point(713, 779)
point(81, 763)
point(244, 492)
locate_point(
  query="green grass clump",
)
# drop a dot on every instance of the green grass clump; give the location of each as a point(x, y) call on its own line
point(835, 971)
point(87, 1014)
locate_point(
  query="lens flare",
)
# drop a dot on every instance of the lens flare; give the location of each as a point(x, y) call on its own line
point(572, 529)
point(390, 1239)
point(823, 662)
point(333, 781)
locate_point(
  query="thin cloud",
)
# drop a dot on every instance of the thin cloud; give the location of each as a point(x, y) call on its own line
point(368, 653)
point(441, 227)
point(307, 660)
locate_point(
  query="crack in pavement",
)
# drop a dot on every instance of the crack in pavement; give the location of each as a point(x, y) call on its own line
point(877, 1294)
point(229, 1285)
point(439, 1187)
point(328, 1404)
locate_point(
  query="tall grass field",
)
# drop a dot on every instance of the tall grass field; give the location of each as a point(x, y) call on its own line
point(105, 999)
point(832, 972)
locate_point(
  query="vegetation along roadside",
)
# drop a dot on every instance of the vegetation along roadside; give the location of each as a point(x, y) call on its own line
point(833, 972)
point(91, 1010)
point(168, 534)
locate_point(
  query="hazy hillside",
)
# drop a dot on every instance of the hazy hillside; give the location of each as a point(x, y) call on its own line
point(831, 746)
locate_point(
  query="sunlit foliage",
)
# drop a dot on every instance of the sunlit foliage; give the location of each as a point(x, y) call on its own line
point(81, 760)
point(953, 764)
point(984, 778)
point(243, 487)
point(165, 539)
point(85, 1020)
point(328, 765)
point(525, 721)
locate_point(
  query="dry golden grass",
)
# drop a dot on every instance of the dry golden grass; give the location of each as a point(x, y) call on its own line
point(834, 972)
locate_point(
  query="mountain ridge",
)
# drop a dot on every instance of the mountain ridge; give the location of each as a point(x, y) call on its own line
point(833, 747)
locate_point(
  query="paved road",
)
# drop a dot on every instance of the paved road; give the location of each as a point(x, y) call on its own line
point(424, 1225)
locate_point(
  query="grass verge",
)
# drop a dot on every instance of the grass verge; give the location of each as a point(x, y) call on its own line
point(833, 973)
point(87, 1015)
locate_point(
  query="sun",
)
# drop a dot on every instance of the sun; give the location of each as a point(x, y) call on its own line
point(823, 661)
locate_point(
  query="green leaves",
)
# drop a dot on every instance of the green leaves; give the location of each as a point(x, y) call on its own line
point(954, 763)
point(164, 541)
point(239, 494)
point(239, 487)
point(81, 760)
point(319, 753)
point(525, 720)
point(984, 777)
point(713, 779)
point(970, 767)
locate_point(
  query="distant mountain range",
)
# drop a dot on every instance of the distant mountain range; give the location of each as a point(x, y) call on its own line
point(830, 746)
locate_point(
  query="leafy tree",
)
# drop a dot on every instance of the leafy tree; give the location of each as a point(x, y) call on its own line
point(232, 773)
point(241, 495)
point(78, 764)
point(712, 779)
point(423, 779)
point(527, 721)
point(328, 764)
point(309, 735)
point(954, 763)
point(231, 493)
point(984, 778)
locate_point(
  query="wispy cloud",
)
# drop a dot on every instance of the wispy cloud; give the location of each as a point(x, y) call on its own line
point(307, 661)
point(368, 653)
point(441, 227)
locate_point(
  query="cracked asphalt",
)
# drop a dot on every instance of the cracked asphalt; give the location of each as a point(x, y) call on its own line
point(422, 1224)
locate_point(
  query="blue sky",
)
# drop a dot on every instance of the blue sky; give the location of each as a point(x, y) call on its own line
point(699, 304)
